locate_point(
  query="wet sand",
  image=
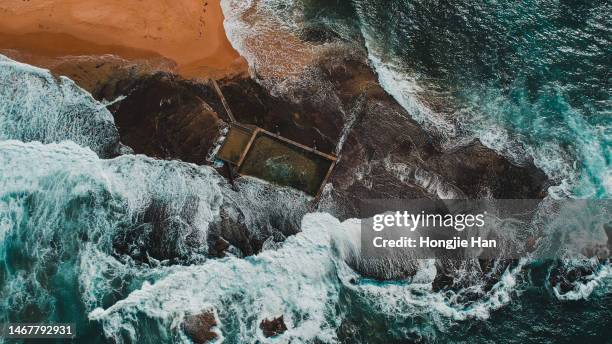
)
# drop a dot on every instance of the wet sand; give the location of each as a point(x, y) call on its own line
point(187, 35)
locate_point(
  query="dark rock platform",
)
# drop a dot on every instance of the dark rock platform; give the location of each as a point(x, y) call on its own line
point(385, 154)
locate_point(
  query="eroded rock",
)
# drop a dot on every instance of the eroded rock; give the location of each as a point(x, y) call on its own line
point(385, 154)
point(162, 116)
point(201, 327)
point(273, 327)
point(338, 104)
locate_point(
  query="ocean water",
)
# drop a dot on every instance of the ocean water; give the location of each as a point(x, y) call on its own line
point(530, 79)
point(41, 108)
point(78, 243)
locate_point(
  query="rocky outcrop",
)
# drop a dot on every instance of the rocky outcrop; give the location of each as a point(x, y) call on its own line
point(200, 327)
point(317, 124)
point(164, 117)
point(339, 107)
point(273, 327)
point(157, 113)
point(395, 158)
point(385, 154)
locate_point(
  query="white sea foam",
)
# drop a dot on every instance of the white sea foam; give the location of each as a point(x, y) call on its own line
point(600, 280)
point(582, 291)
point(253, 27)
point(408, 93)
point(415, 296)
point(434, 184)
point(296, 281)
point(35, 106)
point(301, 279)
point(75, 204)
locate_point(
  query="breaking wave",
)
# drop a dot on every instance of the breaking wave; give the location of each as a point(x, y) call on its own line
point(82, 210)
point(528, 99)
point(461, 79)
point(36, 106)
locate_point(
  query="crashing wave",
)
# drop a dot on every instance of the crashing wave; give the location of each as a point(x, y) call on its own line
point(80, 207)
point(297, 281)
point(36, 106)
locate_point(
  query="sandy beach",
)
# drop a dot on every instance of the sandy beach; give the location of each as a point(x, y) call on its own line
point(187, 34)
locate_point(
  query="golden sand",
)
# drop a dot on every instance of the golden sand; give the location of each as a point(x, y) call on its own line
point(187, 33)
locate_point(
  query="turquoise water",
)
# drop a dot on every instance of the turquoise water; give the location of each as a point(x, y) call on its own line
point(530, 79)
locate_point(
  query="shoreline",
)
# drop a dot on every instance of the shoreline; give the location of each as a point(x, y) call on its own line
point(188, 36)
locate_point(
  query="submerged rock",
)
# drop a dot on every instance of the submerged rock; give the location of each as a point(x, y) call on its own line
point(441, 282)
point(567, 278)
point(164, 231)
point(231, 231)
point(200, 327)
point(273, 327)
